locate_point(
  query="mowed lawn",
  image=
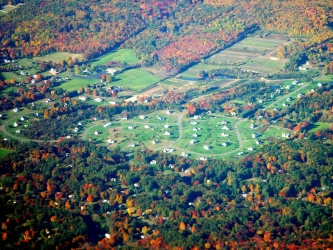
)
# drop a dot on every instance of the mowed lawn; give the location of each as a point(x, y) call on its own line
point(125, 55)
point(192, 72)
point(59, 56)
point(135, 79)
point(319, 126)
point(4, 151)
point(77, 83)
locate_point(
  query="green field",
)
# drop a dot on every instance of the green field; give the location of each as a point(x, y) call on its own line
point(135, 79)
point(319, 126)
point(59, 56)
point(4, 152)
point(326, 78)
point(76, 83)
point(264, 65)
point(124, 55)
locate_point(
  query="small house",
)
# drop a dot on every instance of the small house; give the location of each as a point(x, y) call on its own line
point(142, 117)
point(285, 135)
point(184, 154)
point(166, 133)
point(252, 126)
point(194, 123)
point(18, 131)
point(260, 100)
point(98, 99)
point(288, 99)
point(166, 126)
point(206, 147)
point(112, 102)
point(192, 141)
point(130, 127)
point(154, 142)
point(250, 148)
point(15, 110)
point(197, 117)
point(131, 145)
point(202, 158)
point(82, 98)
point(195, 135)
point(225, 128)
point(299, 95)
point(294, 82)
point(195, 129)
point(312, 90)
point(96, 133)
point(110, 141)
point(254, 135)
point(257, 142)
point(224, 135)
point(225, 144)
point(168, 112)
point(240, 153)
point(147, 126)
point(153, 162)
point(287, 87)
point(320, 84)
point(22, 119)
point(15, 124)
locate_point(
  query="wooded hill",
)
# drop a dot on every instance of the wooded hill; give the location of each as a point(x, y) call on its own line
point(168, 34)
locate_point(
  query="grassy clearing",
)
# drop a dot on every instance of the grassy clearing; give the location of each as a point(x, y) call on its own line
point(209, 134)
point(59, 56)
point(171, 83)
point(319, 126)
point(76, 83)
point(326, 78)
point(4, 152)
point(125, 55)
point(135, 79)
point(264, 65)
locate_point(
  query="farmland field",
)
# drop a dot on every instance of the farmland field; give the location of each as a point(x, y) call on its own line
point(124, 55)
point(59, 56)
point(252, 54)
point(76, 83)
point(192, 71)
point(319, 126)
point(135, 79)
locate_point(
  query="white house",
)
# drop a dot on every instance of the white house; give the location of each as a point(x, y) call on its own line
point(98, 99)
point(257, 142)
point(285, 135)
point(71, 196)
point(197, 117)
point(82, 98)
point(168, 150)
point(222, 122)
point(254, 135)
point(302, 68)
point(96, 133)
point(142, 117)
point(284, 105)
point(320, 84)
point(194, 129)
point(299, 95)
point(224, 135)
point(272, 95)
point(168, 112)
point(112, 102)
point(53, 71)
point(112, 71)
point(195, 135)
point(154, 141)
point(110, 141)
point(288, 99)
point(18, 131)
point(202, 158)
point(312, 90)
point(294, 82)
point(166, 133)
point(192, 141)
point(166, 126)
point(15, 124)
point(184, 154)
point(206, 147)
point(147, 126)
point(131, 145)
point(225, 128)
point(76, 130)
point(287, 87)
point(260, 100)
point(252, 126)
point(153, 162)
point(22, 119)
point(130, 127)
point(240, 153)
point(225, 144)
point(15, 110)
point(107, 125)
point(194, 123)
point(250, 148)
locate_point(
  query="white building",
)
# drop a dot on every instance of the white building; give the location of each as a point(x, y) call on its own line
point(15, 110)
point(153, 162)
point(168, 150)
point(195, 135)
point(257, 142)
point(285, 135)
point(22, 119)
point(225, 144)
point(225, 128)
point(131, 145)
point(320, 84)
point(168, 112)
point(254, 135)
point(96, 133)
point(206, 147)
point(130, 127)
point(18, 131)
point(250, 148)
point(194, 123)
point(252, 126)
point(166, 126)
point(224, 135)
point(15, 124)
point(240, 153)
point(294, 82)
point(82, 98)
point(288, 99)
point(154, 142)
point(107, 125)
point(192, 141)
point(147, 126)
point(184, 154)
point(202, 158)
point(142, 117)
point(166, 133)
point(98, 99)
point(110, 141)
point(197, 117)
point(112, 102)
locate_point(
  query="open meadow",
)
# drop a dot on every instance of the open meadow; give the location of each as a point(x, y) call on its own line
point(123, 55)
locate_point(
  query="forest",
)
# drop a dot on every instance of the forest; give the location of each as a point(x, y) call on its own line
point(171, 35)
